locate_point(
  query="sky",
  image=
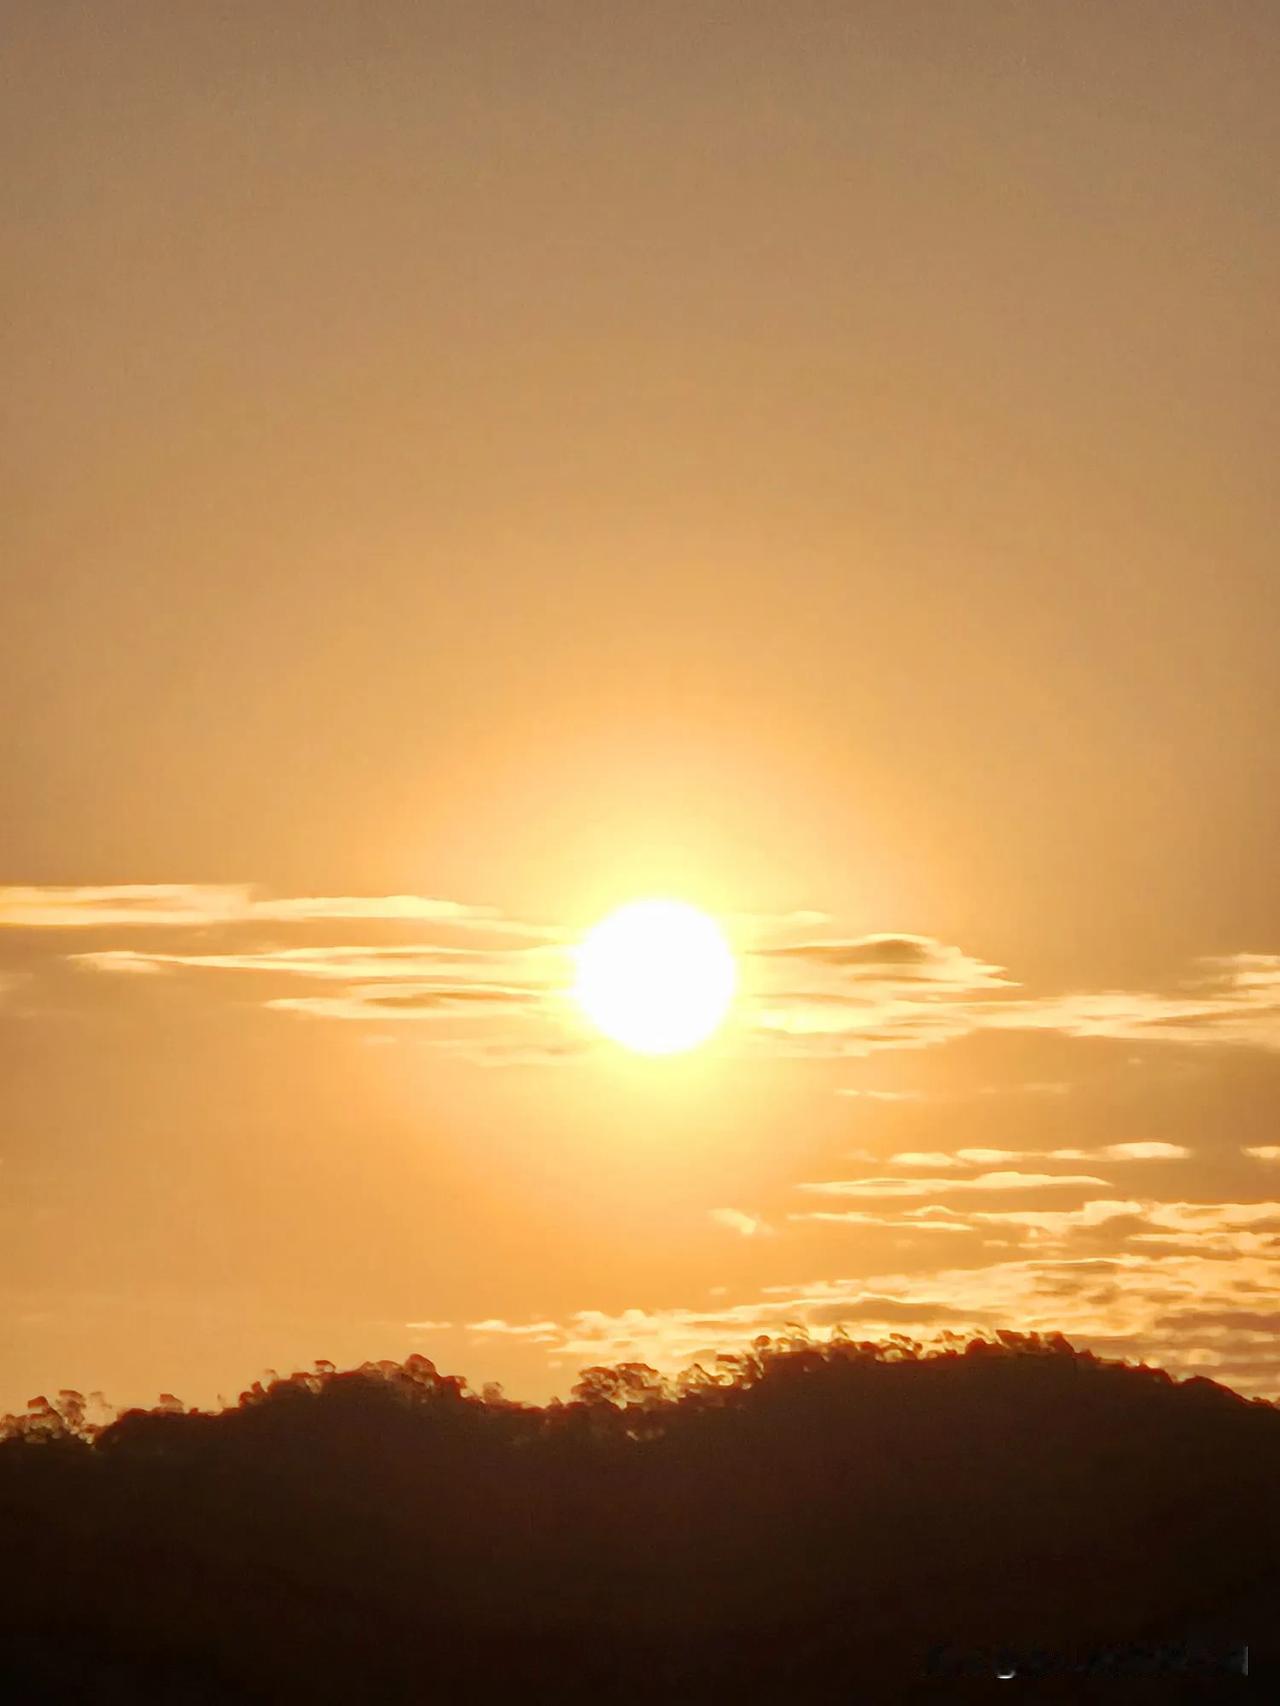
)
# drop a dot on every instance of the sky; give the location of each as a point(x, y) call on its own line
point(469, 465)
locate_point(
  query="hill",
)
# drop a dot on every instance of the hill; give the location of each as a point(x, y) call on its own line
point(808, 1521)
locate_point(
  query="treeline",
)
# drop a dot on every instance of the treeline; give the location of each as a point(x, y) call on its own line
point(804, 1520)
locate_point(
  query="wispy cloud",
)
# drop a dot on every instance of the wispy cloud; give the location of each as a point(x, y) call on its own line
point(170, 904)
point(807, 990)
point(537, 1332)
point(385, 1001)
point(470, 965)
point(1010, 1180)
point(1135, 1224)
point(195, 905)
point(994, 1157)
point(760, 927)
point(929, 1158)
point(1145, 1152)
point(736, 1220)
point(1198, 1304)
point(360, 964)
point(931, 1219)
point(882, 1095)
point(1029, 1087)
point(891, 960)
point(851, 997)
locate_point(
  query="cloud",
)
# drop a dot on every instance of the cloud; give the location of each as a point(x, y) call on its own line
point(1144, 1227)
point(1145, 1152)
point(429, 1326)
point(884, 1311)
point(1256, 974)
point(985, 1157)
point(536, 1332)
point(411, 907)
point(814, 993)
point(1032, 1087)
point(926, 1158)
point(993, 1157)
point(670, 1338)
point(1084, 1272)
point(1098, 1223)
point(172, 904)
point(859, 1217)
point(196, 905)
point(748, 1225)
point(757, 924)
point(339, 964)
point(826, 1026)
point(884, 1095)
point(1263, 1152)
point(124, 962)
point(483, 984)
point(1265, 1323)
point(888, 961)
point(522, 1052)
point(1233, 1000)
point(1057, 1224)
point(1057, 1087)
point(876, 952)
point(412, 1002)
point(1001, 1181)
point(852, 997)
point(1210, 1217)
point(1121, 1302)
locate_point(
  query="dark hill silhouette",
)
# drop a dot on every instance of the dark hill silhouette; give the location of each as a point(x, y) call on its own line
point(808, 1521)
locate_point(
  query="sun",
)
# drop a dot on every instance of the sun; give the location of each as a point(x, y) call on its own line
point(657, 976)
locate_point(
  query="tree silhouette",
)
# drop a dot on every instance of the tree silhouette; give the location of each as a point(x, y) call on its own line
point(804, 1519)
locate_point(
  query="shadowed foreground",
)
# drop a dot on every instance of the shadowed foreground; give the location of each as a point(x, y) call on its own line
point(808, 1522)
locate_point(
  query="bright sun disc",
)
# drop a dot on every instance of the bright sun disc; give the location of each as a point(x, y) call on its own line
point(656, 976)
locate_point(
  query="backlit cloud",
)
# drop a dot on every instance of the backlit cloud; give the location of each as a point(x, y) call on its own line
point(999, 1181)
point(467, 965)
point(1058, 1087)
point(883, 1095)
point(849, 997)
point(537, 1332)
point(186, 905)
point(806, 989)
point(1144, 1152)
point(131, 904)
point(747, 1225)
point(411, 1001)
point(996, 1157)
point(1191, 1309)
point(1135, 1225)
point(339, 964)
point(891, 960)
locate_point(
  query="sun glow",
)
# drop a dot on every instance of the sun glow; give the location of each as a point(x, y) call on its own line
point(657, 976)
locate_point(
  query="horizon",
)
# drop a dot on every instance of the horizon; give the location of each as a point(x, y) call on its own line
point(625, 1386)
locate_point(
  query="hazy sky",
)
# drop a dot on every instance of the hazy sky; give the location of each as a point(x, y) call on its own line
point(814, 459)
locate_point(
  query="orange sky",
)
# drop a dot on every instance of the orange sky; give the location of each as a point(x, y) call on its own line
point(813, 459)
